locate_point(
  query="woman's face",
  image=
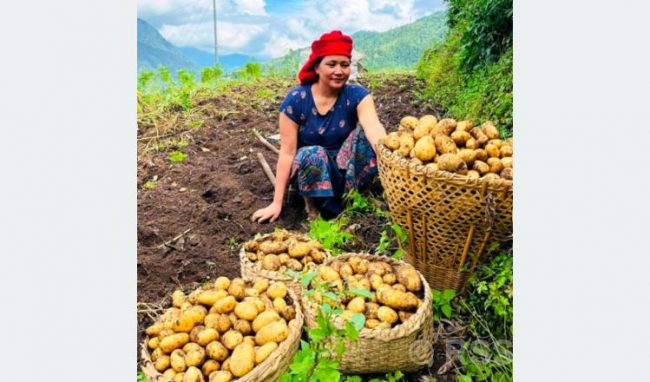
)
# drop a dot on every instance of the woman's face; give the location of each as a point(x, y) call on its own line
point(334, 71)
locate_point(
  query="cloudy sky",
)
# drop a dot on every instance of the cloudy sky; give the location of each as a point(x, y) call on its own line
point(269, 28)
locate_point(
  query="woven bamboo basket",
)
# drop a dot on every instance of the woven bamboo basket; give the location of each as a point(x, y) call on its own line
point(251, 272)
point(407, 347)
point(450, 219)
point(268, 371)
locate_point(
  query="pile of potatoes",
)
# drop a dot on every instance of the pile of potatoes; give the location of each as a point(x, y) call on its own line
point(221, 331)
point(283, 250)
point(448, 145)
point(396, 291)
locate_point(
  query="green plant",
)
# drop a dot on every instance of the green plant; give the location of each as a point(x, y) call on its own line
point(356, 203)
point(150, 184)
point(390, 377)
point(384, 243)
point(177, 156)
point(485, 361)
point(329, 233)
point(232, 243)
point(442, 302)
point(142, 377)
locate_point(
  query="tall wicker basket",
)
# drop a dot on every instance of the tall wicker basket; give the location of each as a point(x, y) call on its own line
point(450, 219)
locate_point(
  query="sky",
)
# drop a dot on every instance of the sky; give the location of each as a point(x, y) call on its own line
point(270, 28)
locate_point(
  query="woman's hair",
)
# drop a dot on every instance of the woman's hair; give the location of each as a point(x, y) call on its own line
point(317, 62)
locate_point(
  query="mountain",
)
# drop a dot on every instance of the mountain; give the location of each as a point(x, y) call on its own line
point(400, 47)
point(154, 51)
point(230, 62)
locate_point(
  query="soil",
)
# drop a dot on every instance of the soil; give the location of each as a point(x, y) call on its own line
point(211, 195)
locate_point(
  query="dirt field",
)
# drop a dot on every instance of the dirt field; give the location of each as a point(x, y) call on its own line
point(216, 189)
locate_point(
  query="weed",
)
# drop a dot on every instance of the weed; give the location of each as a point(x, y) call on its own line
point(356, 203)
point(232, 243)
point(442, 302)
point(177, 156)
point(142, 377)
point(150, 185)
point(329, 233)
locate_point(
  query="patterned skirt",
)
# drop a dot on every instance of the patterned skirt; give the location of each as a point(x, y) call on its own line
point(325, 176)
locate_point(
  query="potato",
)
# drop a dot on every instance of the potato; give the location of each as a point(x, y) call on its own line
point(376, 281)
point(169, 374)
point(217, 351)
point(387, 314)
point(399, 287)
point(206, 336)
point(471, 144)
point(276, 331)
point(246, 310)
point(178, 298)
point(298, 250)
point(425, 148)
point(242, 360)
point(481, 155)
point(391, 141)
point(162, 363)
point(473, 174)
point(222, 323)
point(233, 318)
point(231, 339)
point(288, 313)
point(251, 246)
point(295, 265)
point(263, 352)
point(252, 256)
point(495, 165)
point(409, 277)
point(389, 278)
point(251, 292)
point(479, 135)
point(491, 177)
point(468, 156)
point(357, 305)
point(279, 304)
point(190, 346)
point(507, 162)
point(250, 340)
point(406, 144)
point(220, 376)
point(481, 167)
point(257, 301)
point(372, 323)
point(506, 151)
point(431, 168)
point(153, 343)
point(271, 263)
point(408, 123)
point(243, 327)
point(195, 357)
point(154, 329)
point(225, 305)
point(273, 247)
point(225, 365)
point(173, 342)
point(507, 173)
point(404, 316)
point(444, 127)
point(445, 145)
point(164, 333)
point(492, 151)
point(496, 142)
point(193, 374)
point(490, 130)
point(452, 163)
point(371, 309)
point(397, 300)
point(460, 137)
point(156, 354)
point(209, 297)
point(420, 130)
point(195, 331)
point(317, 255)
point(189, 318)
point(357, 282)
point(328, 274)
point(264, 319)
point(277, 290)
point(209, 367)
point(191, 298)
point(178, 377)
point(464, 126)
point(429, 120)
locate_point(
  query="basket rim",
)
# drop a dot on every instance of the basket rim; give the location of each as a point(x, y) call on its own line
point(259, 372)
point(272, 275)
point(405, 329)
point(384, 154)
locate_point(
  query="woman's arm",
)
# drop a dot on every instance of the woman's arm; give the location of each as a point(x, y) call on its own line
point(369, 121)
point(288, 148)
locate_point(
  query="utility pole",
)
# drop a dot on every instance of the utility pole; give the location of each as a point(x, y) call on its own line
point(214, 9)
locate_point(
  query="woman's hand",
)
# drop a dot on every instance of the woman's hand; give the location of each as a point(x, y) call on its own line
point(271, 213)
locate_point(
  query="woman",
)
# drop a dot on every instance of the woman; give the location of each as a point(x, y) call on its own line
point(321, 146)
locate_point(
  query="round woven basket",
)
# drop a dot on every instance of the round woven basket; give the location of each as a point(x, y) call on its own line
point(450, 218)
point(251, 272)
point(268, 371)
point(407, 347)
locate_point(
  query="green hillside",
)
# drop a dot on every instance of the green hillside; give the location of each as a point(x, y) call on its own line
point(398, 48)
point(155, 51)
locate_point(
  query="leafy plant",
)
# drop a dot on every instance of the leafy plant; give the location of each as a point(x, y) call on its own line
point(150, 184)
point(177, 156)
point(142, 377)
point(442, 302)
point(356, 203)
point(485, 361)
point(329, 233)
point(390, 377)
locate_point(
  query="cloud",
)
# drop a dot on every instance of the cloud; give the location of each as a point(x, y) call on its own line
point(252, 7)
point(231, 37)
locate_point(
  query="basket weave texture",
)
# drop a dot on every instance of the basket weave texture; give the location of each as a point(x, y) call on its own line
point(450, 218)
point(251, 272)
point(268, 371)
point(406, 347)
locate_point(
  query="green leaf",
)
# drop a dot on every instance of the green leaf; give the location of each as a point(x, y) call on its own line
point(177, 156)
point(306, 279)
point(358, 320)
point(446, 310)
point(448, 294)
point(464, 378)
point(361, 292)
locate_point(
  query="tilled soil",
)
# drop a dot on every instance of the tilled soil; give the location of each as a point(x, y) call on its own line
point(209, 197)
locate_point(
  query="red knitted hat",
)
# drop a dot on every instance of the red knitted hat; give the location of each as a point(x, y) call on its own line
point(329, 44)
